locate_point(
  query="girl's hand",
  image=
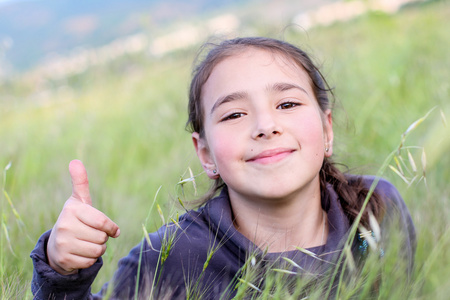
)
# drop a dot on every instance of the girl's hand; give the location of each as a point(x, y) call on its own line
point(80, 234)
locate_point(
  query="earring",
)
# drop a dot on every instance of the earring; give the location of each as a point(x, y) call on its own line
point(214, 171)
point(326, 149)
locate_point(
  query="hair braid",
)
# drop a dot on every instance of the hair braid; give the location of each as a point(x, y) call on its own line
point(351, 192)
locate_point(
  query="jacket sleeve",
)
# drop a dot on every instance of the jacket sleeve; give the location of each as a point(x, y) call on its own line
point(49, 284)
point(135, 272)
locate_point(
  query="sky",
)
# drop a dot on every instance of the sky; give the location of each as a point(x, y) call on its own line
point(2, 2)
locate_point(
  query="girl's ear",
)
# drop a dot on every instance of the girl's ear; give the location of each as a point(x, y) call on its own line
point(204, 155)
point(328, 133)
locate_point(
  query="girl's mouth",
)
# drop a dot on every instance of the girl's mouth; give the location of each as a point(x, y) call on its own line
point(271, 156)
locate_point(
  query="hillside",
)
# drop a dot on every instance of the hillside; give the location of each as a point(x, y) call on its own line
point(29, 30)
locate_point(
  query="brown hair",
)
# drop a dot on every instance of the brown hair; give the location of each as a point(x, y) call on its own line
point(351, 193)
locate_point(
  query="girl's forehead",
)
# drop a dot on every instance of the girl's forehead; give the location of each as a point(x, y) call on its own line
point(269, 57)
point(248, 60)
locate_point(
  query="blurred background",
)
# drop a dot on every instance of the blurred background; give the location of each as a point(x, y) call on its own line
point(106, 82)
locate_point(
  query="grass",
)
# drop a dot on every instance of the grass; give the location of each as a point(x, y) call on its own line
point(125, 121)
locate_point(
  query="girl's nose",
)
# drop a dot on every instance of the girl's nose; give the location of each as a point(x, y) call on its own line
point(266, 126)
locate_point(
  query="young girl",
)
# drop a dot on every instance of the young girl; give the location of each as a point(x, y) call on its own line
point(262, 128)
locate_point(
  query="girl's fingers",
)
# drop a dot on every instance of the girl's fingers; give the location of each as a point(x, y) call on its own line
point(75, 212)
point(91, 235)
point(80, 193)
point(66, 252)
point(80, 183)
point(80, 234)
point(82, 262)
point(81, 255)
point(99, 221)
point(87, 250)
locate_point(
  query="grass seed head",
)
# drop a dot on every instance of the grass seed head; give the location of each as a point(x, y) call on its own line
point(412, 162)
point(444, 119)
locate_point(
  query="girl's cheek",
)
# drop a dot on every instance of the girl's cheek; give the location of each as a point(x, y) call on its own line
point(313, 128)
point(224, 145)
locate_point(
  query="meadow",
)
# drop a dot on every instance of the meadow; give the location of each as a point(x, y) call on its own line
point(125, 121)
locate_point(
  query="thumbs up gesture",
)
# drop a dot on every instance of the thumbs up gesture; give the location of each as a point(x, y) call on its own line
point(80, 234)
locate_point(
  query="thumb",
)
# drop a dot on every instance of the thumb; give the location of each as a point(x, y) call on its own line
point(80, 183)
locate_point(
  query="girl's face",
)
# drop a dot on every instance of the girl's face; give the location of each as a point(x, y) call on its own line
point(265, 134)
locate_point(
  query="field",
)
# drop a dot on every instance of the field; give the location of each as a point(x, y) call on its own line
point(125, 121)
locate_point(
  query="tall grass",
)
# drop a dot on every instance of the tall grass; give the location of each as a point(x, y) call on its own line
point(125, 121)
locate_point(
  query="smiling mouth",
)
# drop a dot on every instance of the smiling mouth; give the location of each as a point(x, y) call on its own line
point(271, 156)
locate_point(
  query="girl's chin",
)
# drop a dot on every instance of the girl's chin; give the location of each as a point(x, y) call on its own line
point(279, 184)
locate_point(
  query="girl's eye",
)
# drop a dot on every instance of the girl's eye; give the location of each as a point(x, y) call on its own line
point(287, 105)
point(233, 116)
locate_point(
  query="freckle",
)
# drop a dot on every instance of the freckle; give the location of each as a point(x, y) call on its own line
point(251, 150)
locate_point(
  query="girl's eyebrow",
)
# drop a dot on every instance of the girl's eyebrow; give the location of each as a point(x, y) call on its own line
point(228, 98)
point(283, 86)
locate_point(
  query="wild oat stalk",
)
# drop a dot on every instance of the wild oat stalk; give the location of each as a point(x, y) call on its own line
point(193, 291)
point(7, 286)
point(191, 179)
point(167, 240)
point(4, 222)
point(245, 281)
point(346, 254)
point(136, 288)
point(434, 255)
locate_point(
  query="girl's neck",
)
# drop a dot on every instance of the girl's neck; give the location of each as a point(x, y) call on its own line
point(281, 226)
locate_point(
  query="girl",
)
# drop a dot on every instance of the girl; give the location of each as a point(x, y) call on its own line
point(262, 128)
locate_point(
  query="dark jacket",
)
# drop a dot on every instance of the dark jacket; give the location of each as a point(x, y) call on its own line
point(207, 254)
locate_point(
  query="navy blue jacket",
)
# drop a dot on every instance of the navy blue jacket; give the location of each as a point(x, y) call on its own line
point(207, 254)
